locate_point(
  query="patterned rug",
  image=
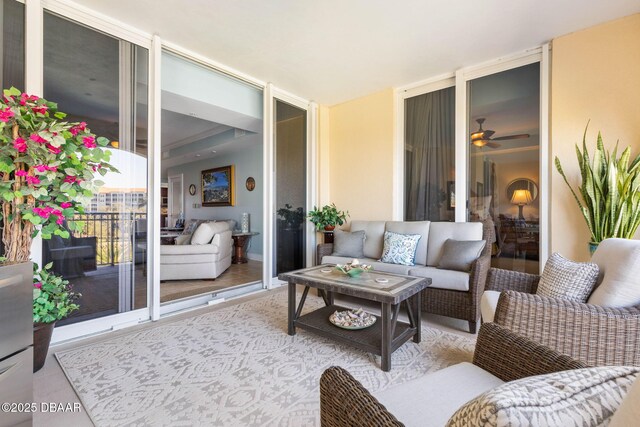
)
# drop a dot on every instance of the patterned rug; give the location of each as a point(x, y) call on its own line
point(234, 366)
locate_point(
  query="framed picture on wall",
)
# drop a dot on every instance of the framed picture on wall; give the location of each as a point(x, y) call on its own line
point(217, 186)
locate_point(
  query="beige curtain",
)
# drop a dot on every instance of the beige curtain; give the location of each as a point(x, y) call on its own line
point(429, 155)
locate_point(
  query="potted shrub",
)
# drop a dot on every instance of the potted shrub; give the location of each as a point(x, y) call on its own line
point(292, 218)
point(609, 193)
point(53, 300)
point(328, 217)
point(48, 171)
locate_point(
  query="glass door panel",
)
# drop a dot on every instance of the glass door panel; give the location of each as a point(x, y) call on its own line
point(290, 160)
point(106, 87)
point(504, 163)
point(430, 156)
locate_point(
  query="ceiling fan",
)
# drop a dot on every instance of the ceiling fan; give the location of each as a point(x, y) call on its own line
point(482, 137)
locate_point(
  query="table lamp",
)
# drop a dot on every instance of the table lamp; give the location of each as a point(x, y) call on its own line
point(521, 198)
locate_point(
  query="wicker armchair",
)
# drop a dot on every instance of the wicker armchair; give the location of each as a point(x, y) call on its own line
point(463, 305)
point(344, 402)
point(593, 334)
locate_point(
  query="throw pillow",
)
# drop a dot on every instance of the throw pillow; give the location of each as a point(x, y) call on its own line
point(569, 280)
point(203, 234)
point(399, 248)
point(579, 397)
point(460, 254)
point(348, 244)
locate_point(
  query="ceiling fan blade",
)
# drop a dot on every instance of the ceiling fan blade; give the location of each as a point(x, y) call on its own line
point(519, 136)
point(488, 134)
point(492, 145)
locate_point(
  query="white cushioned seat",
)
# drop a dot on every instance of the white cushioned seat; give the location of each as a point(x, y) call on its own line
point(619, 263)
point(413, 227)
point(188, 249)
point(439, 232)
point(488, 304)
point(443, 279)
point(374, 232)
point(431, 400)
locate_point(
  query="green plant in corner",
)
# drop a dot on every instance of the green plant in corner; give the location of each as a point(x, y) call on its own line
point(327, 217)
point(53, 298)
point(609, 192)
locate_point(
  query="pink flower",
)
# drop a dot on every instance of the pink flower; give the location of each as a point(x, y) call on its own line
point(20, 145)
point(43, 212)
point(53, 149)
point(44, 168)
point(78, 128)
point(37, 285)
point(41, 109)
point(24, 98)
point(37, 138)
point(21, 173)
point(33, 180)
point(65, 205)
point(72, 179)
point(6, 114)
point(89, 142)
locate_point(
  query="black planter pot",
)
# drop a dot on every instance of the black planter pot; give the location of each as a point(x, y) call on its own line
point(41, 339)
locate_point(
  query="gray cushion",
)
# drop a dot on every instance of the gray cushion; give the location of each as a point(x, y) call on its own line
point(374, 235)
point(348, 244)
point(430, 400)
point(460, 254)
point(400, 248)
point(619, 262)
point(579, 397)
point(443, 279)
point(413, 227)
point(569, 280)
point(488, 305)
point(439, 232)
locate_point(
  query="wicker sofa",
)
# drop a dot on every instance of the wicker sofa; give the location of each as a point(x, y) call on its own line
point(500, 356)
point(452, 293)
point(592, 333)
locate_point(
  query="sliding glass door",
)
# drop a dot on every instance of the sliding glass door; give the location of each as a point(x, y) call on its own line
point(504, 163)
point(106, 87)
point(290, 159)
point(430, 156)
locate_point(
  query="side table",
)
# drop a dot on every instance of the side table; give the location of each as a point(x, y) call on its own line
point(240, 243)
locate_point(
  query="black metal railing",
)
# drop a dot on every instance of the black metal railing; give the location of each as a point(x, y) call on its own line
point(117, 234)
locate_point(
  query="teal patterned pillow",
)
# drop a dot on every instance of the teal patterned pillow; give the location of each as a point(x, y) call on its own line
point(399, 248)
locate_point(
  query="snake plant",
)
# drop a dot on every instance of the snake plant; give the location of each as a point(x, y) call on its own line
point(610, 191)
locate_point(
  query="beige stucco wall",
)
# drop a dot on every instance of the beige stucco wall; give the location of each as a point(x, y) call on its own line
point(360, 156)
point(595, 76)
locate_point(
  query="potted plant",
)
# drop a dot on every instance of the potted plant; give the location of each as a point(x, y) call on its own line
point(609, 191)
point(48, 171)
point(53, 300)
point(328, 217)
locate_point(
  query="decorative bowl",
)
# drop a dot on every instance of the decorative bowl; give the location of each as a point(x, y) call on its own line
point(352, 319)
point(352, 270)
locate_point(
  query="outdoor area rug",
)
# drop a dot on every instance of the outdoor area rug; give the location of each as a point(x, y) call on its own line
point(234, 366)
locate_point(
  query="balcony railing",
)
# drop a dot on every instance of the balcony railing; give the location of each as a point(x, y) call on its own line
point(116, 234)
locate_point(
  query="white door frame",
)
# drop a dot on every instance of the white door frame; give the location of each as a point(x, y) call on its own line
point(459, 79)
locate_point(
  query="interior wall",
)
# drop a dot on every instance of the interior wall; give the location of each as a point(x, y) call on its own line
point(594, 76)
point(361, 150)
point(247, 162)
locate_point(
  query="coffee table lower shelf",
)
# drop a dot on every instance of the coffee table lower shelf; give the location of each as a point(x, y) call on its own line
point(369, 339)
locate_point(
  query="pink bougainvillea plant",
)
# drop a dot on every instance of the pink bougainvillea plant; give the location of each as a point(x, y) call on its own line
point(48, 170)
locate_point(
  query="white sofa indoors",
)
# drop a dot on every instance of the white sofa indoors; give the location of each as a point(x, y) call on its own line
point(205, 254)
point(452, 293)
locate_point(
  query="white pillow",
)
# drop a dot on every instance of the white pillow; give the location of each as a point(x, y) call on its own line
point(203, 234)
point(619, 262)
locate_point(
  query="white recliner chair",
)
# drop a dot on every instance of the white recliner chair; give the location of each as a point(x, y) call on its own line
point(204, 255)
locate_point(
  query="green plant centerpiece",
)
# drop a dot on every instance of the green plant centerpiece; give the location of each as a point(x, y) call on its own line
point(609, 194)
point(49, 170)
point(328, 217)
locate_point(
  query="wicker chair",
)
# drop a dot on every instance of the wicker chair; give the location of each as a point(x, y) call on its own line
point(593, 334)
point(344, 402)
point(463, 305)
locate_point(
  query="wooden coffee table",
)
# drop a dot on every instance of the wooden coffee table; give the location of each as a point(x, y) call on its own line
point(386, 335)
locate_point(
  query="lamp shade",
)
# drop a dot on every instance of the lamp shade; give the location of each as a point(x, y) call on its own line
point(521, 197)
